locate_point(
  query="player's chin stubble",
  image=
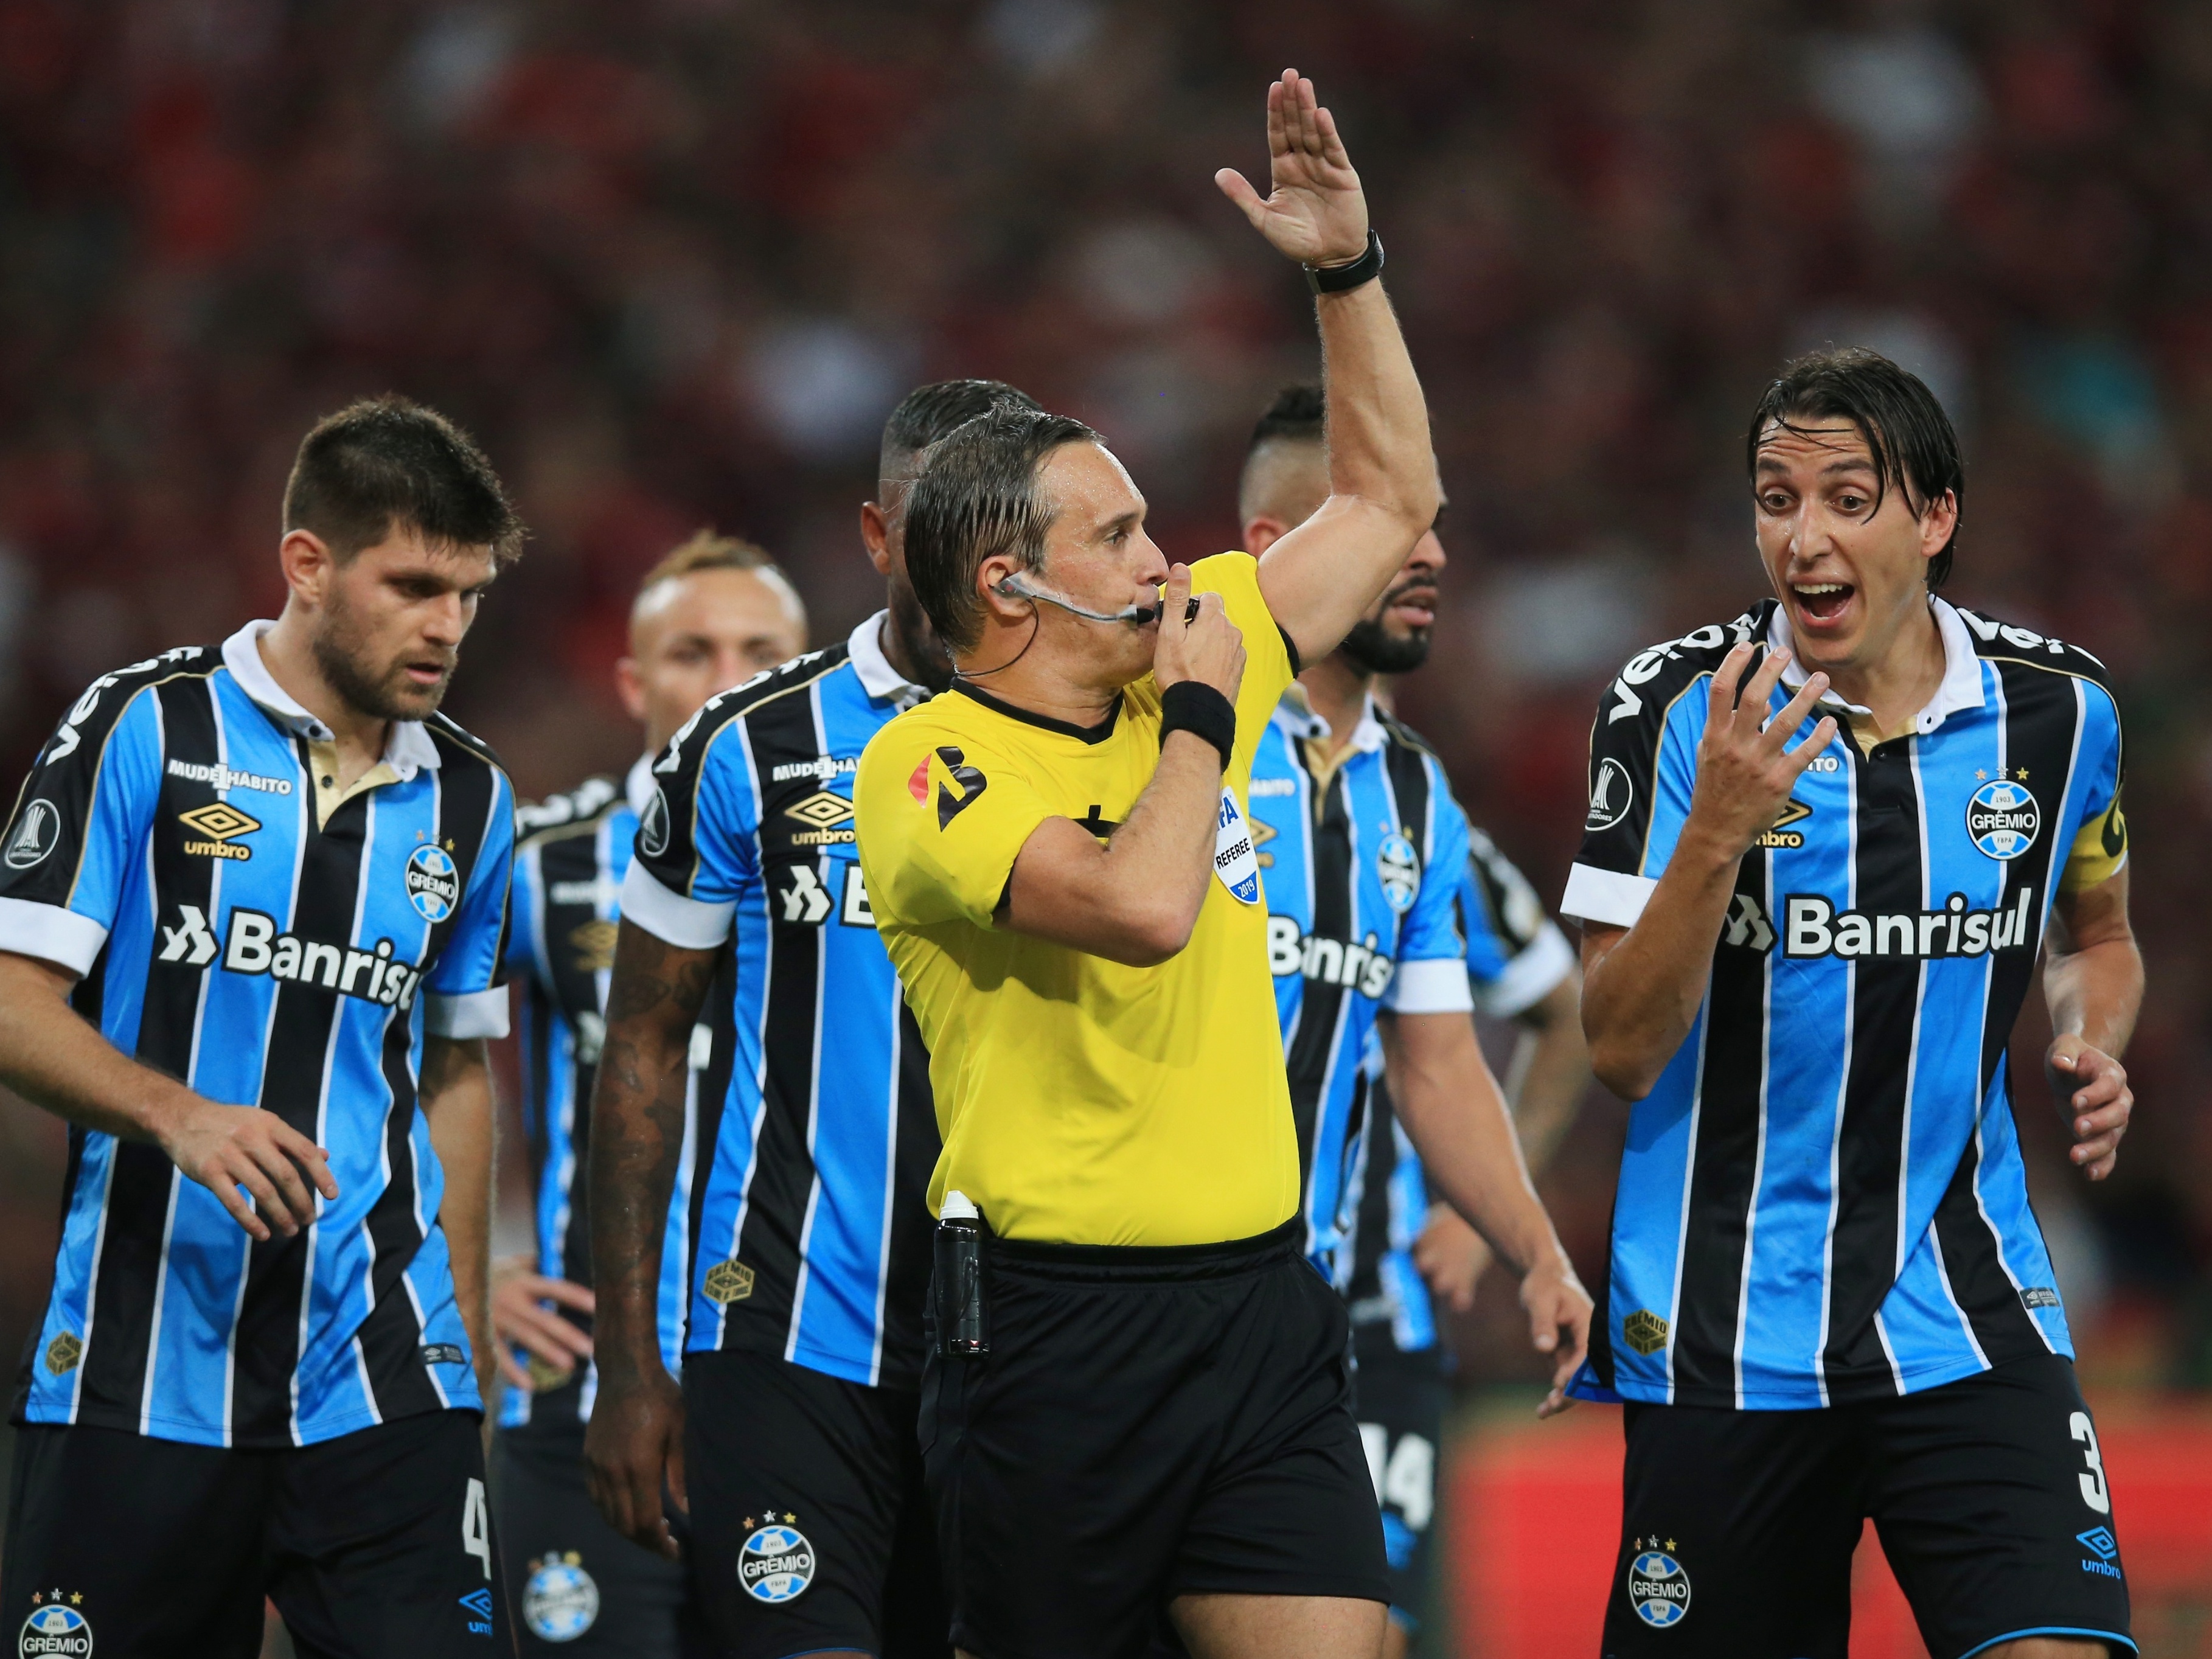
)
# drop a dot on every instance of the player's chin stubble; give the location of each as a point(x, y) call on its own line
point(342, 655)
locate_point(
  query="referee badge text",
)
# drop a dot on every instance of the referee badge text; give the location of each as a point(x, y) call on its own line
point(1235, 859)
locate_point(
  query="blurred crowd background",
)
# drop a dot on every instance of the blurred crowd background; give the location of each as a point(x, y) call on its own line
point(673, 260)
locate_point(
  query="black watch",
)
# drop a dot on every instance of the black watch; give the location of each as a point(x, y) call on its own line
point(1335, 279)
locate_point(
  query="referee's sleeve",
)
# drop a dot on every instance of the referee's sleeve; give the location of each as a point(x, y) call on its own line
point(80, 828)
point(940, 824)
point(1269, 667)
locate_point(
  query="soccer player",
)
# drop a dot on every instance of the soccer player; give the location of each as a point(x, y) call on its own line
point(253, 906)
point(1390, 920)
point(713, 612)
point(1161, 1420)
point(794, 1427)
point(1825, 844)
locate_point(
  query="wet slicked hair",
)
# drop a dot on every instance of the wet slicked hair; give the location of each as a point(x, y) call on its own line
point(387, 462)
point(930, 413)
point(1915, 449)
point(977, 498)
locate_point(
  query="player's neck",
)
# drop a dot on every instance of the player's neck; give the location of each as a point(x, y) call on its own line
point(1337, 691)
point(289, 656)
point(1897, 682)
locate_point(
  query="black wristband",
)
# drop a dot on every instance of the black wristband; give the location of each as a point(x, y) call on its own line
point(1335, 279)
point(1195, 706)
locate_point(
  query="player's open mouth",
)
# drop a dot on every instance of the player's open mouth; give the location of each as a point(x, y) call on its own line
point(1416, 608)
point(428, 673)
point(1822, 602)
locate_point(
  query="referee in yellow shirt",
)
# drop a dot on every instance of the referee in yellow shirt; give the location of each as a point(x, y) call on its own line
point(1056, 854)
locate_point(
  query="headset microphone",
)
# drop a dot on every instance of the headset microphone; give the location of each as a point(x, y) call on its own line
point(1013, 587)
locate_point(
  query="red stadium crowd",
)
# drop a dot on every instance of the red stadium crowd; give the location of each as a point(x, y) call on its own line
point(672, 262)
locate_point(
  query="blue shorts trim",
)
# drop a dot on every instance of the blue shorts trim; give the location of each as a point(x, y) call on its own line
point(2052, 1629)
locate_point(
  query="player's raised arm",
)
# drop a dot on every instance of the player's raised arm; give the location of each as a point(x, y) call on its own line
point(1382, 497)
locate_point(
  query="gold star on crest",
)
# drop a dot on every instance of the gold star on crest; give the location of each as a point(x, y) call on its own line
point(2021, 775)
point(1981, 775)
point(1670, 1545)
point(76, 1596)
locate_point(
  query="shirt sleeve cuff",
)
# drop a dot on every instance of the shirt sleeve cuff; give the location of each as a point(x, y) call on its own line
point(1435, 986)
point(51, 932)
point(466, 1014)
point(1529, 977)
point(1605, 896)
point(693, 924)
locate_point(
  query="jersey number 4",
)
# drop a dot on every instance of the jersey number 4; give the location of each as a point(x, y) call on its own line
point(475, 1525)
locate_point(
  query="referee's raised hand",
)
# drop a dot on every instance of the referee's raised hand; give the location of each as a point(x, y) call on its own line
point(1314, 212)
point(1745, 768)
point(227, 1147)
point(1202, 645)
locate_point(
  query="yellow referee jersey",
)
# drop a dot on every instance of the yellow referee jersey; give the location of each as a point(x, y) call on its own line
point(1082, 1101)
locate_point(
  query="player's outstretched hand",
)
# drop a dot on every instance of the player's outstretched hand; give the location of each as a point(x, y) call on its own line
point(227, 1147)
point(1314, 212)
point(1205, 646)
point(2098, 1106)
point(1557, 1306)
point(1451, 1257)
point(634, 1452)
point(520, 1318)
point(1745, 772)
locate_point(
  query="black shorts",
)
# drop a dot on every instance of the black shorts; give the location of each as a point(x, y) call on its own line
point(376, 1543)
point(1399, 1399)
point(808, 1529)
point(577, 1586)
point(1738, 1526)
point(1148, 1423)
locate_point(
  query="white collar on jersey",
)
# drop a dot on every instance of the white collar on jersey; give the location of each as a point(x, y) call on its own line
point(1296, 716)
point(406, 752)
point(877, 678)
point(638, 786)
point(1962, 668)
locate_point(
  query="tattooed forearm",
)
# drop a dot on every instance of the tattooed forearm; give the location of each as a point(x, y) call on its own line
point(637, 1132)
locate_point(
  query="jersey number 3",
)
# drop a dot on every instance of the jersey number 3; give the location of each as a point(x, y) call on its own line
point(2093, 1491)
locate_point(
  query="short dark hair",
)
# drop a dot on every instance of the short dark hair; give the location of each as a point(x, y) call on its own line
point(935, 411)
point(1902, 422)
point(1299, 413)
point(977, 498)
point(389, 460)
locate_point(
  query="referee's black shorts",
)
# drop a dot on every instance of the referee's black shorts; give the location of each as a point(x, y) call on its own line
point(1149, 1423)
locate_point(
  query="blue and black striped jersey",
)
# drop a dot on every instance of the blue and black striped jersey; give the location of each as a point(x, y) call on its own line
point(245, 925)
point(1515, 955)
point(568, 869)
point(811, 1237)
point(1361, 860)
point(1822, 1200)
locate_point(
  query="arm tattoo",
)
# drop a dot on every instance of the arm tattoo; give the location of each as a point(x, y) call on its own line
point(637, 1126)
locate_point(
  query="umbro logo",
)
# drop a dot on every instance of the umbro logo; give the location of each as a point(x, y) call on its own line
point(831, 817)
point(221, 823)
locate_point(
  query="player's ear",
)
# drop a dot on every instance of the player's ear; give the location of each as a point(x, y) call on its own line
point(876, 535)
point(1261, 531)
point(996, 581)
point(629, 686)
point(308, 565)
